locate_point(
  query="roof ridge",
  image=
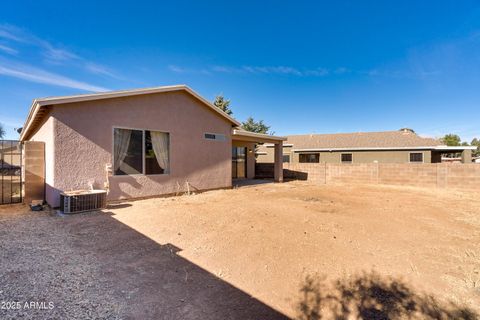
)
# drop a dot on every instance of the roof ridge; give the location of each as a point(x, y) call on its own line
point(99, 93)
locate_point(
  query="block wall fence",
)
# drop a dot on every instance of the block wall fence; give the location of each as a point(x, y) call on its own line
point(438, 175)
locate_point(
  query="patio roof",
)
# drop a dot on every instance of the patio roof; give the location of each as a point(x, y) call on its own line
point(242, 135)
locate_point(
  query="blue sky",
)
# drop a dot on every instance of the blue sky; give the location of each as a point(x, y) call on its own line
point(301, 66)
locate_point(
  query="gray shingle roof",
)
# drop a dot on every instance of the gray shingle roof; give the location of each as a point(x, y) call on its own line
point(385, 139)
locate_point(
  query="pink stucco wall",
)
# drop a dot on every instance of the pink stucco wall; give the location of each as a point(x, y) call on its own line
point(82, 145)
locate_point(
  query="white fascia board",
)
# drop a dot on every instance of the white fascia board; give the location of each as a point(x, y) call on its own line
point(453, 148)
point(443, 148)
point(237, 132)
point(271, 145)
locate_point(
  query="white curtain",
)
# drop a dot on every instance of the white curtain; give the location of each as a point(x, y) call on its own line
point(121, 141)
point(160, 147)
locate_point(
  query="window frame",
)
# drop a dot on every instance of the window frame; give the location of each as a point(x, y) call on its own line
point(309, 153)
point(222, 136)
point(143, 153)
point(346, 153)
point(410, 159)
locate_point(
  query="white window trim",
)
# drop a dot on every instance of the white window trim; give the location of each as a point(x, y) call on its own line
point(143, 153)
point(423, 157)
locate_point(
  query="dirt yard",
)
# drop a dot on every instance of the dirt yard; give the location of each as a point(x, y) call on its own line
point(270, 251)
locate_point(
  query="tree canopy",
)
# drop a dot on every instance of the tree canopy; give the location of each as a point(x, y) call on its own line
point(452, 139)
point(255, 126)
point(223, 104)
point(476, 142)
point(2, 131)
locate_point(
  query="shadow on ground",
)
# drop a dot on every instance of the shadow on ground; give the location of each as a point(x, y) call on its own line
point(92, 266)
point(154, 282)
point(371, 296)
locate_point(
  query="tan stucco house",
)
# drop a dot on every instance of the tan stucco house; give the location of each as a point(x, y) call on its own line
point(401, 146)
point(141, 143)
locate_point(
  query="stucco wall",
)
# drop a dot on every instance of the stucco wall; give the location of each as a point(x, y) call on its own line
point(45, 134)
point(83, 135)
point(393, 156)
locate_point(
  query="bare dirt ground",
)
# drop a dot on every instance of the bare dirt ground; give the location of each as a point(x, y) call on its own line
point(268, 251)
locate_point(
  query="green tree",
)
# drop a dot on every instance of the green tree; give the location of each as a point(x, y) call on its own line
point(2, 131)
point(476, 142)
point(451, 139)
point(256, 126)
point(223, 104)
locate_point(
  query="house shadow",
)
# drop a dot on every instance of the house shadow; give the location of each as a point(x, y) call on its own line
point(148, 280)
point(294, 175)
point(266, 171)
point(118, 205)
point(371, 296)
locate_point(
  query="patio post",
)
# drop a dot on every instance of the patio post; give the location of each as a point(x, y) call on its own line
point(467, 156)
point(278, 162)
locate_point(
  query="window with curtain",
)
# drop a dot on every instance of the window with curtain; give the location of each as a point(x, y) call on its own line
point(140, 152)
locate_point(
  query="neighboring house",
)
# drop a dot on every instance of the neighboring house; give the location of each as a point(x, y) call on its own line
point(400, 146)
point(141, 143)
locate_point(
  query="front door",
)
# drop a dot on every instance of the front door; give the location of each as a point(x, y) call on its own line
point(239, 162)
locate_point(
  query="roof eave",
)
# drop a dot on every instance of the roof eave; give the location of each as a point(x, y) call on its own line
point(440, 148)
point(261, 136)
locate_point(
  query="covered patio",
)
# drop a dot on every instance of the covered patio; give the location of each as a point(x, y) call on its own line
point(243, 154)
point(465, 153)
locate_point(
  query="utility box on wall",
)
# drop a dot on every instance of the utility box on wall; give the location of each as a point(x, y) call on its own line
point(34, 171)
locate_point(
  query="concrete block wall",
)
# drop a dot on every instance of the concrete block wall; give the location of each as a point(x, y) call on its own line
point(437, 175)
point(314, 172)
point(34, 171)
point(412, 174)
point(464, 176)
point(352, 173)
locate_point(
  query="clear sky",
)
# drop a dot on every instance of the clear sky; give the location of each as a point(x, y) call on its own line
point(301, 66)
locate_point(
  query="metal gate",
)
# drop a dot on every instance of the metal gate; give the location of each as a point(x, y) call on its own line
point(11, 181)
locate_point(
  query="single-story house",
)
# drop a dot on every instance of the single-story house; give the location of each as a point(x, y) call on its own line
point(141, 143)
point(402, 146)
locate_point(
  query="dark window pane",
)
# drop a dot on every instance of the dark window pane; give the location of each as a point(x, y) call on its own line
point(215, 136)
point(286, 158)
point(416, 157)
point(346, 157)
point(309, 157)
point(128, 151)
point(156, 152)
